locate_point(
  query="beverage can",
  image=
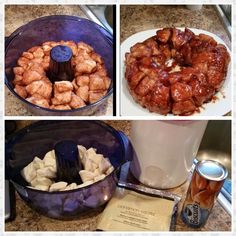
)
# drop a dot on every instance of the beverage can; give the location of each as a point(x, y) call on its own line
point(207, 181)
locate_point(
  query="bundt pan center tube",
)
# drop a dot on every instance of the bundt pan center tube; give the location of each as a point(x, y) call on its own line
point(60, 68)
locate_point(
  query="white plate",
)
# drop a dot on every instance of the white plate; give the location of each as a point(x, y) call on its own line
point(129, 107)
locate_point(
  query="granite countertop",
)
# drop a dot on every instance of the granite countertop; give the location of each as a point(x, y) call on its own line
point(16, 16)
point(137, 18)
point(29, 220)
point(134, 19)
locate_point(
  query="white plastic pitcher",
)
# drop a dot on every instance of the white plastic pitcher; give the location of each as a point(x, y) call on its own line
point(164, 151)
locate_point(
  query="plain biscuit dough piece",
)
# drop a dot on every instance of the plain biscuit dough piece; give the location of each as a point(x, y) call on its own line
point(109, 170)
point(85, 184)
point(47, 172)
point(71, 186)
point(86, 175)
point(82, 153)
point(40, 187)
point(38, 163)
point(58, 186)
point(91, 152)
point(41, 181)
point(90, 165)
point(97, 172)
point(50, 159)
point(100, 177)
point(104, 165)
point(29, 172)
point(96, 158)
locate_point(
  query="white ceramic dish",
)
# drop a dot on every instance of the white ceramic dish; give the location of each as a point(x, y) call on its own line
point(129, 107)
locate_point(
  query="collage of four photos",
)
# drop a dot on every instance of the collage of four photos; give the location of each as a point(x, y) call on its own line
point(118, 118)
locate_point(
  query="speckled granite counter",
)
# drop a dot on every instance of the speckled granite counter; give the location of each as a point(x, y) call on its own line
point(29, 220)
point(137, 18)
point(16, 16)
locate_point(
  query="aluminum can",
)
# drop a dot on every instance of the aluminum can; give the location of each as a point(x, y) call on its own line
point(207, 181)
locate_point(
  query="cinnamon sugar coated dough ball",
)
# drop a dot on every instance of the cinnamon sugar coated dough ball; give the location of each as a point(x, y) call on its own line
point(175, 71)
point(90, 83)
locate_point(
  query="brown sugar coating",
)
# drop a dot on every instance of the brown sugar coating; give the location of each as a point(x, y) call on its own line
point(89, 85)
point(176, 71)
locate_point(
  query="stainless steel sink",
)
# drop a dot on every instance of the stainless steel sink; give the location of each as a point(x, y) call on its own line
point(109, 15)
point(100, 14)
point(216, 143)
